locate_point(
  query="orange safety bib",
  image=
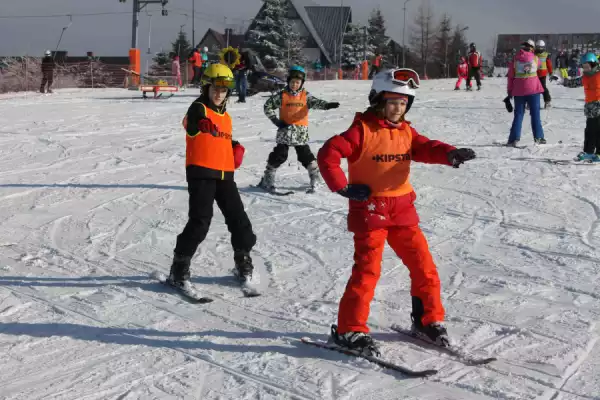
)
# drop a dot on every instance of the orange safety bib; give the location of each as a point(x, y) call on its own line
point(294, 109)
point(591, 86)
point(212, 149)
point(384, 163)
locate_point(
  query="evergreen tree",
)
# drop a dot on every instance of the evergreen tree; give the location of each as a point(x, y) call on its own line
point(353, 46)
point(295, 45)
point(181, 46)
point(377, 38)
point(269, 33)
point(161, 63)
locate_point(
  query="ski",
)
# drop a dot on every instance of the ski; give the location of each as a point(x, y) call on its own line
point(453, 351)
point(375, 360)
point(189, 293)
point(274, 192)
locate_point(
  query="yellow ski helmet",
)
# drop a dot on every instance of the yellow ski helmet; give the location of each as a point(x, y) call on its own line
point(219, 75)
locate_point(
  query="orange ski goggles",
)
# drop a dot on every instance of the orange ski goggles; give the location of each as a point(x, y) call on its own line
point(406, 76)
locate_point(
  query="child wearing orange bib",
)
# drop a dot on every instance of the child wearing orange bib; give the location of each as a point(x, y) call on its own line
point(288, 110)
point(380, 146)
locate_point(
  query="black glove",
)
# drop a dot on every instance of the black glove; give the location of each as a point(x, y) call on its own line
point(459, 156)
point(279, 123)
point(329, 106)
point(356, 192)
point(508, 104)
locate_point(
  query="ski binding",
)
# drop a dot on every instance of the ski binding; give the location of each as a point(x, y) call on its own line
point(188, 292)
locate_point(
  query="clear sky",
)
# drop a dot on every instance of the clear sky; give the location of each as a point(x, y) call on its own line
point(111, 34)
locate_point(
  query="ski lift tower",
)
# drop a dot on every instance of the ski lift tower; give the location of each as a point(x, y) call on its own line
point(134, 52)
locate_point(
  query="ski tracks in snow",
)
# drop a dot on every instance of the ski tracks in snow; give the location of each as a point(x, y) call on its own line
point(86, 222)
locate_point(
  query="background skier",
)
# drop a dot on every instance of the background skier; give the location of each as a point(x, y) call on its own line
point(475, 61)
point(380, 146)
point(195, 60)
point(525, 86)
point(562, 63)
point(462, 71)
point(288, 110)
point(176, 70)
point(204, 58)
point(211, 157)
point(48, 66)
point(591, 86)
point(545, 69)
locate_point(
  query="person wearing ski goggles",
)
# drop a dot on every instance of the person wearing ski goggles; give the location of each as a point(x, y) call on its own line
point(380, 147)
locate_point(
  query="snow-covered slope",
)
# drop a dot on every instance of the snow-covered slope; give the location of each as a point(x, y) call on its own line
point(93, 194)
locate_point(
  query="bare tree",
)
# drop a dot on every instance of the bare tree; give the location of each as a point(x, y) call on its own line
point(424, 33)
point(441, 50)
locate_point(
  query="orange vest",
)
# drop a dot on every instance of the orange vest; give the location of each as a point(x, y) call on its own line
point(384, 163)
point(591, 86)
point(196, 59)
point(294, 109)
point(211, 150)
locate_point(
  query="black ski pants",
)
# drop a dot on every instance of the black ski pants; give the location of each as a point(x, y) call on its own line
point(197, 75)
point(47, 78)
point(591, 144)
point(547, 97)
point(203, 193)
point(279, 155)
point(474, 72)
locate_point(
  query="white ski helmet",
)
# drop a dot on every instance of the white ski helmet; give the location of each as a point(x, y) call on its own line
point(384, 82)
point(540, 44)
point(48, 53)
point(529, 42)
point(205, 49)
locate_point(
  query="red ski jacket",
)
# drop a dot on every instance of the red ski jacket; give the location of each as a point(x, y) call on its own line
point(350, 145)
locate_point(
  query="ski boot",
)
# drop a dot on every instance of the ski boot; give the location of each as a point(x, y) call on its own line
point(180, 271)
point(588, 157)
point(358, 341)
point(469, 89)
point(478, 88)
point(547, 105)
point(540, 141)
point(268, 180)
point(243, 266)
point(313, 175)
point(434, 333)
point(514, 143)
point(42, 90)
point(456, 88)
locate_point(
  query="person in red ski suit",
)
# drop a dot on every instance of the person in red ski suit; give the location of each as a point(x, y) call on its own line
point(380, 146)
point(462, 71)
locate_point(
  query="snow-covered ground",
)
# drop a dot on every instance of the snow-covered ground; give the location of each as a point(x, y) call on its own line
point(93, 194)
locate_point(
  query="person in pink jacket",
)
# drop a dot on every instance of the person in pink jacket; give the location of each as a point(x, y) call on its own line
point(525, 87)
point(462, 71)
point(176, 70)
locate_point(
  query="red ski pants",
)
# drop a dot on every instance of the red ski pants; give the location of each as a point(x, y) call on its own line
point(459, 81)
point(410, 245)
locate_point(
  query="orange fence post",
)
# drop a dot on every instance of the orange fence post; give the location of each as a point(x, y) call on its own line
point(135, 65)
point(365, 70)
